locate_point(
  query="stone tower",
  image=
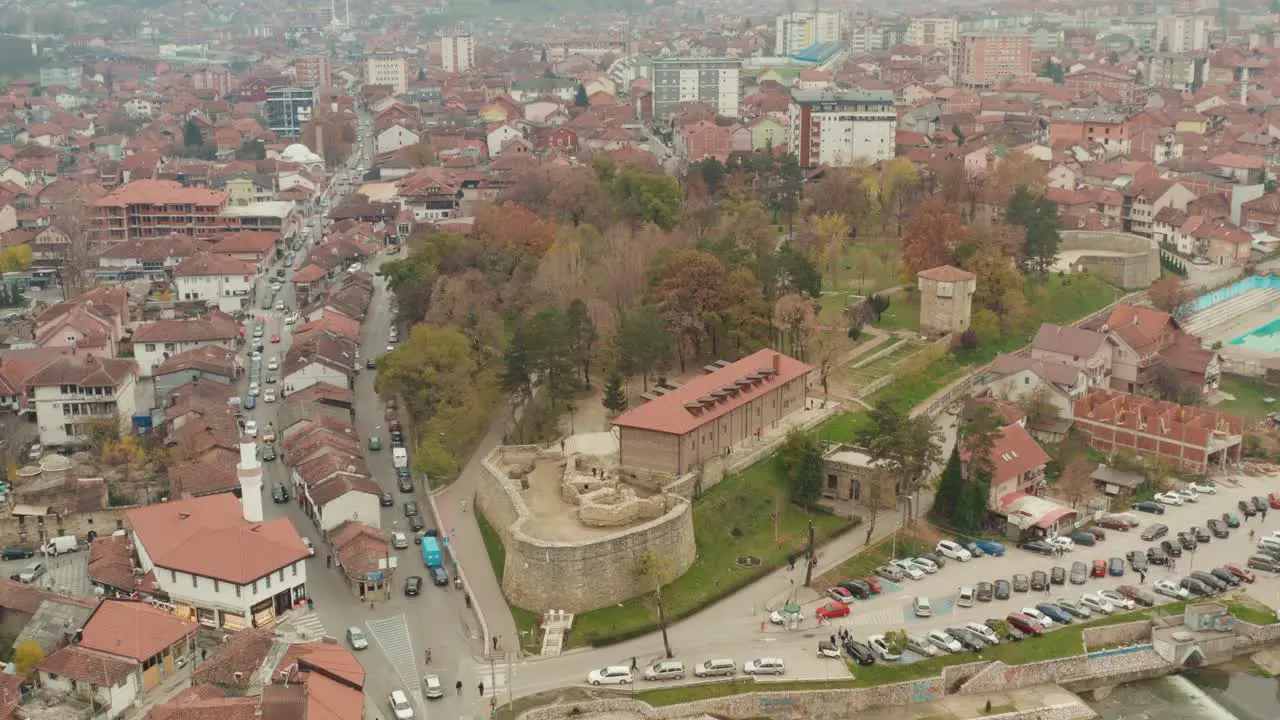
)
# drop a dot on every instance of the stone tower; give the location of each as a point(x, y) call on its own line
point(946, 299)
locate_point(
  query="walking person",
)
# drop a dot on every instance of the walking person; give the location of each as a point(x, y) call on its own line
point(634, 666)
point(1142, 578)
point(481, 686)
point(459, 686)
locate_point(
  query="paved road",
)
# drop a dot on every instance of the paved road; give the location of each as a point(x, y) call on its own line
point(732, 627)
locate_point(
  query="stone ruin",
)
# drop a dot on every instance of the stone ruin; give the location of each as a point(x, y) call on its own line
point(602, 497)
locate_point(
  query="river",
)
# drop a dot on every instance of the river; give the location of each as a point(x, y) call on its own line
point(1220, 693)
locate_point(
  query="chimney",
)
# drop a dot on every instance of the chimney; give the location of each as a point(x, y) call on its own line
point(249, 471)
point(777, 363)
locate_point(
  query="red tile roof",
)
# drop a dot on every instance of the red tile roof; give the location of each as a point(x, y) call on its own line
point(946, 273)
point(161, 192)
point(714, 394)
point(211, 327)
point(83, 664)
point(133, 629)
point(209, 536)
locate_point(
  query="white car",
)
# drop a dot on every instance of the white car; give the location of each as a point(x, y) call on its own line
point(257, 355)
point(273, 363)
point(881, 648)
point(1062, 541)
point(1187, 495)
point(251, 428)
point(253, 388)
point(1117, 599)
point(920, 645)
point(925, 564)
point(1097, 604)
point(1168, 499)
point(764, 666)
point(908, 568)
point(432, 688)
point(1045, 621)
point(964, 598)
point(987, 634)
point(941, 640)
point(269, 395)
point(1270, 542)
point(291, 318)
point(400, 706)
point(611, 675)
point(921, 607)
point(1171, 589)
point(311, 549)
point(949, 549)
point(1203, 488)
point(777, 618)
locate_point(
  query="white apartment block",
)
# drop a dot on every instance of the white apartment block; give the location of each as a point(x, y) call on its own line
point(457, 53)
point(1181, 33)
point(931, 32)
point(389, 70)
point(840, 128)
point(716, 82)
point(75, 392)
point(796, 31)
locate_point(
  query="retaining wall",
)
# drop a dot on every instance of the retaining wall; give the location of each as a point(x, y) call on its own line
point(1130, 633)
point(1134, 271)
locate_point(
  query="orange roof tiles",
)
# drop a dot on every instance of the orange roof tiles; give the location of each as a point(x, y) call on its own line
point(160, 192)
point(133, 629)
point(209, 536)
point(946, 273)
point(716, 393)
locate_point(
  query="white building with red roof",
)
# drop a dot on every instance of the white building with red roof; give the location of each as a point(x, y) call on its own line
point(220, 280)
point(156, 342)
point(217, 563)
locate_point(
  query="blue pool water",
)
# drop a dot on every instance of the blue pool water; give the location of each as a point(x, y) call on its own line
point(1262, 339)
point(1252, 282)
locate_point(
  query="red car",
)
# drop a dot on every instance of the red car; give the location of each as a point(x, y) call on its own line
point(873, 583)
point(832, 610)
point(1273, 500)
point(1243, 574)
point(275, 338)
point(1099, 568)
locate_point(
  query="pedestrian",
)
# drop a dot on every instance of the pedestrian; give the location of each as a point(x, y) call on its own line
point(459, 688)
point(634, 666)
point(467, 598)
point(328, 561)
point(1142, 578)
point(495, 645)
point(833, 639)
point(481, 688)
point(562, 445)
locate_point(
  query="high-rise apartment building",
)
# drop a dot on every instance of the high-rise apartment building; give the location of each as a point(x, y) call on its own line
point(158, 208)
point(717, 82)
point(457, 53)
point(796, 31)
point(842, 127)
point(387, 69)
point(1181, 33)
point(289, 108)
point(985, 59)
point(931, 32)
point(312, 71)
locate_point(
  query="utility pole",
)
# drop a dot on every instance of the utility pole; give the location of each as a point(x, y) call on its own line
point(808, 570)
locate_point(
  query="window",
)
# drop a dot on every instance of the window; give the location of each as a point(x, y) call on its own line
point(151, 347)
point(267, 579)
point(173, 576)
point(215, 586)
point(254, 587)
point(237, 591)
point(294, 568)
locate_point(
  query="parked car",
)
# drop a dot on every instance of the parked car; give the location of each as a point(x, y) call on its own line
point(1037, 546)
point(1051, 611)
point(1097, 604)
point(1187, 496)
point(1240, 572)
point(1024, 623)
point(881, 649)
point(921, 607)
point(1171, 548)
point(1036, 614)
point(984, 591)
point(890, 572)
point(400, 705)
point(937, 561)
point(1155, 532)
point(920, 645)
point(1079, 573)
point(410, 508)
point(1231, 520)
point(1213, 583)
point(1137, 560)
point(1021, 583)
point(1247, 508)
point(1099, 569)
point(1115, 567)
point(872, 584)
point(1169, 498)
point(1147, 506)
point(1218, 528)
point(1195, 587)
point(1062, 542)
point(1058, 575)
point(1111, 522)
point(990, 547)
point(941, 640)
point(840, 594)
point(1011, 633)
point(951, 550)
point(860, 652)
point(16, 552)
point(1002, 589)
point(972, 547)
point(279, 493)
point(1074, 608)
point(715, 667)
point(983, 631)
point(610, 675)
point(1225, 576)
point(1171, 589)
point(664, 670)
point(1259, 504)
point(908, 568)
point(1200, 534)
point(832, 610)
point(1039, 580)
point(356, 638)
point(1263, 562)
point(1157, 556)
point(413, 585)
point(964, 596)
point(1084, 538)
point(967, 640)
point(1187, 540)
point(1273, 499)
point(1095, 531)
point(854, 589)
point(765, 666)
point(1202, 488)
point(385, 500)
point(1137, 595)
point(1117, 599)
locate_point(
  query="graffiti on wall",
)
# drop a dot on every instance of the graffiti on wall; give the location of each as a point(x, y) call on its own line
point(923, 691)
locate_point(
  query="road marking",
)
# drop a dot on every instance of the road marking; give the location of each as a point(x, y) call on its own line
point(944, 605)
point(306, 624)
point(392, 633)
point(883, 616)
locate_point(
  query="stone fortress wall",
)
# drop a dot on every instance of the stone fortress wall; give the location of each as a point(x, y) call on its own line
point(1123, 259)
point(582, 575)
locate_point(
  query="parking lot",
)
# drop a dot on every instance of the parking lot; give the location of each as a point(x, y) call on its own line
point(67, 573)
point(892, 609)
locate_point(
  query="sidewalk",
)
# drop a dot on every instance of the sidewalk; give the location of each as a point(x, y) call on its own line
point(467, 546)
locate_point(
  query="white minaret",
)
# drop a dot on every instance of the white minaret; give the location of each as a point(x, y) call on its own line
point(250, 473)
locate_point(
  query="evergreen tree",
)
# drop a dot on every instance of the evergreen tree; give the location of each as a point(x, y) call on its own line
point(950, 489)
point(191, 134)
point(581, 99)
point(806, 483)
point(615, 397)
point(422, 74)
point(544, 55)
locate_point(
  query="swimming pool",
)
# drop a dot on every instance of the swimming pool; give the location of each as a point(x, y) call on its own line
point(1263, 339)
point(1253, 282)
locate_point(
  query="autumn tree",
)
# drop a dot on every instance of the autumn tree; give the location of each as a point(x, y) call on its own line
point(829, 234)
point(1168, 294)
point(931, 238)
point(620, 269)
point(655, 571)
point(26, 656)
point(839, 191)
point(646, 197)
point(744, 316)
point(795, 323)
point(337, 131)
point(642, 344)
point(1076, 481)
point(999, 300)
point(420, 154)
point(689, 294)
point(15, 258)
point(511, 236)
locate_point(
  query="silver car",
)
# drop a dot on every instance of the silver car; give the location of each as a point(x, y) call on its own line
point(920, 645)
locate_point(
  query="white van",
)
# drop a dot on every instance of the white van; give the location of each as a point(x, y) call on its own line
point(399, 457)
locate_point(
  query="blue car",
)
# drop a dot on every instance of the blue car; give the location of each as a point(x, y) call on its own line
point(1055, 613)
point(250, 402)
point(990, 547)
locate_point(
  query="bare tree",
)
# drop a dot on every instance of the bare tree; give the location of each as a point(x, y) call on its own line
point(657, 570)
point(1076, 481)
point(81, 247)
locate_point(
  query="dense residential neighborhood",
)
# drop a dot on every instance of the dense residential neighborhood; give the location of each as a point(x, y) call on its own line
point(365, 360)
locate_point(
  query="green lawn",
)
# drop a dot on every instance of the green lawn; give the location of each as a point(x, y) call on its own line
point(870, 266)
point(1249, 395)
point(692, 693)
point(866, 562)
point(842, 426)
point(1251, 612)
point(732, 519)
point(903, 312)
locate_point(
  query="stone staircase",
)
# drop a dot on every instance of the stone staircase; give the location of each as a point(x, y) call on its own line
point(1230, 309)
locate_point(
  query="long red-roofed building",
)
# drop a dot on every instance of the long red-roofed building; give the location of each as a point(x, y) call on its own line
point(158, 208)
point(679, 428)
point(1195, 438)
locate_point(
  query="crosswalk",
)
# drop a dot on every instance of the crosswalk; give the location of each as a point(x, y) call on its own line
point(392, 633)
point(494, 679)
point(305, 624)
point(882, 616)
